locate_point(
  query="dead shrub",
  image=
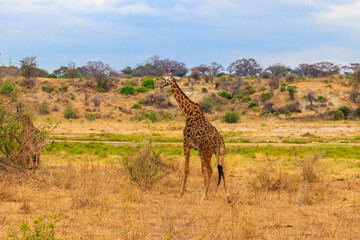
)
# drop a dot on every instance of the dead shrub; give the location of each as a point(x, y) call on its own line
point(270, 180)
point(6, 191)
point(293, 107)
point(145, 167)
point(89, 186)
point(21, 141)
point(28, 83)
point(307, 165)
point(157, 100)
point(96, 100)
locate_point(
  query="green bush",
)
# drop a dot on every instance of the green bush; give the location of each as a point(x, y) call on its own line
point(222, 78)
point(265, 96)
point(141, 89)
point(252, 105)
point(148, 83)
point(64, 87)
point(288, 114)
point(231, 117)
point(204, 90)
point(263, 88)
point(42, 229)
point(70, 113)
point(101, 85)
point(225, 94)
point(64, 76)
point(338, 115)
point(44, 108)
point(127, 90)
point(346, 111)
point(90, 117)
point(152, 116)
point(48, 88)
point(321, 99)
point(52, 75)
point(6, 88)
point(246, 99)
point(136, 106)
point(358, 111)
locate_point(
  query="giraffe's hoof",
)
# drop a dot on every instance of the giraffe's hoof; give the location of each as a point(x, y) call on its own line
point(181, 193)
point(228, 199)
point(204, 197)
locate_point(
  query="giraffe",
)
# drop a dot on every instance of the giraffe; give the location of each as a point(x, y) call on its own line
point(199, 134)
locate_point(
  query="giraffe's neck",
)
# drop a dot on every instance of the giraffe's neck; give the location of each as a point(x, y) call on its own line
point(186, 105)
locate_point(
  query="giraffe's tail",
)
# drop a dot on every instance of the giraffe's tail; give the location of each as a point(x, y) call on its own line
point(220, 156)
point(221, 173)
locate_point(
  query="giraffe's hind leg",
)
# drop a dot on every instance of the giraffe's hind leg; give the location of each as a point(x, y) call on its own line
point(186, 167)
point(207, 172)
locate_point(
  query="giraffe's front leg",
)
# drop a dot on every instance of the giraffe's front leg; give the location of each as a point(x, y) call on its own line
point(186, 167)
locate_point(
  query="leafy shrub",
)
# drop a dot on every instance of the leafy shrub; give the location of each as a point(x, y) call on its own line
point(217, 84)
point(136, 106)
point(129, 76)
point(265, 96)
point(44, 108)
point(130, 83)
point(338, 115)
point(6, 88)
point(231, 117)
point(288, 114)
point(90, 116)
point(148, 83)
point(64, 76)
point(52, 75)
point(101, 85)
point(222, 78)
point(152, 116)
point(358, 111)
point(246, 99)
point(252, 105)
point(145, 167)
point(207, 104)
point(225, 94)
point(64, 87)
point(127, 90)
point(346, 111)
point(70, 113)
point(141, 89)
point(48, 88)
point(321, 99)
point(42, 229)
point(204, 90)
point(263, 88)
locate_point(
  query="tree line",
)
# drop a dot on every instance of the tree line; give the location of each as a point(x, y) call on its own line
point(246, 67)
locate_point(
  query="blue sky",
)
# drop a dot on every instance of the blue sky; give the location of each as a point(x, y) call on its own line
point(125, 33)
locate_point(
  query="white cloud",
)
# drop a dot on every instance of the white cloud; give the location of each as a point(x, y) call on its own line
point(336, 54)
point(345, 14)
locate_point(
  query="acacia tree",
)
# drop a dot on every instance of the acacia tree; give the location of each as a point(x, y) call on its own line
point(246, 67)
point(71, 70)
point(310, 97)
point(277, 69)
point(178, 68)
point(28, 67)
point(215, 68)
point(202, 68)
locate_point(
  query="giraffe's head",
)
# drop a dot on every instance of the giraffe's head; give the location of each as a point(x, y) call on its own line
point(168, 79)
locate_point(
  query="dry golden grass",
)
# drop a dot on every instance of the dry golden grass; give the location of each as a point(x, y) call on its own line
point(97, 200)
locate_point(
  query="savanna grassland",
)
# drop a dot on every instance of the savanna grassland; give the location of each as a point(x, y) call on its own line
point(290, 174)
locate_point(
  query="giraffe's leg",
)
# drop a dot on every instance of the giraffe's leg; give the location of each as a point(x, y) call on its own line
point(186, 167)
point(219, 153)
point(226, 193)
point(207, 174)
point(203, 171)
